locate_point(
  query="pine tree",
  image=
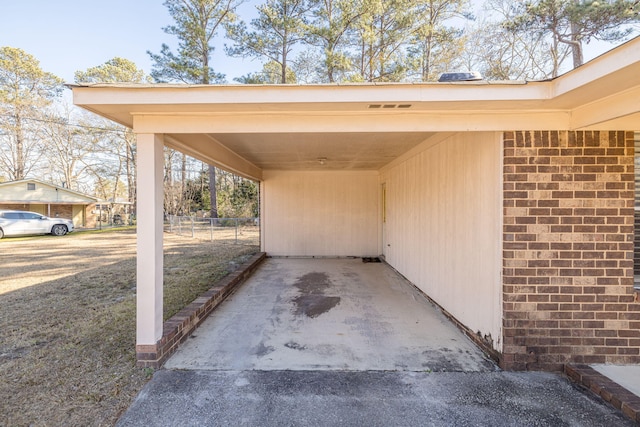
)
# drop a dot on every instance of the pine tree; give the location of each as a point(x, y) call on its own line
point(276, 31)
point(197, 22)
point(572, 23)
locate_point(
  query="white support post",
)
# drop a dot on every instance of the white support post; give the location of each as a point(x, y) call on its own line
point(149, 244)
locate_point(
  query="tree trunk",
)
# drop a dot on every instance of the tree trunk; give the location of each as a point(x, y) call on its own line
point(20, 162)
point(283, 66)
point(329, 52)
point(183, 183)
point(213, 192)
point(576, 46)
point(131, 180)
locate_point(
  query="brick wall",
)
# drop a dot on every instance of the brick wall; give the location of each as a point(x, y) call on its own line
point(636, 243)
point(14, 206)
point(568, 250)
point(59, 211)
point(62, 211)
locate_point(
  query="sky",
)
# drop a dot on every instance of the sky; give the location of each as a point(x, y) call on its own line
point(71, 35)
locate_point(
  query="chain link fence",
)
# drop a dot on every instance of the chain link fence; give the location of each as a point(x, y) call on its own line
point(238, 231)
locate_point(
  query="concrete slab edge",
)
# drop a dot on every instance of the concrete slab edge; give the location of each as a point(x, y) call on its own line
point(605, 388)
point(179, 327)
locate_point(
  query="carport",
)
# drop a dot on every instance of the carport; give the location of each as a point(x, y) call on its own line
point(414, 173)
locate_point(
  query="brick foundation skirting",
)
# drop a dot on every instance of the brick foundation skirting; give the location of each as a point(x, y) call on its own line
point(610, 391)
point(179, 327)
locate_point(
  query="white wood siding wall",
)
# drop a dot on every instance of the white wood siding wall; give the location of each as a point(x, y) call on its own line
point(443, 226)
point(320, 213)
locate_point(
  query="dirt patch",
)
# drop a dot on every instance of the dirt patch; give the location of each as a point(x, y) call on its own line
point(67, 323)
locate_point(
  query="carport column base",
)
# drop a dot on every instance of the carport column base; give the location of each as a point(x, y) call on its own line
point(177, 329)
point(149, 356)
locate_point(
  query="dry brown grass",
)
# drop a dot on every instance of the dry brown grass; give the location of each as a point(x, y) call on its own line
point(67, 321)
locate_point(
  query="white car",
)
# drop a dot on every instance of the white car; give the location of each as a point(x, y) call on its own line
point(17, 223)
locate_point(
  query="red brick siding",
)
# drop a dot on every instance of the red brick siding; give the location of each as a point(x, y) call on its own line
point(14, 206)
point(62, 211)
point(57, 211)
point(568, 250)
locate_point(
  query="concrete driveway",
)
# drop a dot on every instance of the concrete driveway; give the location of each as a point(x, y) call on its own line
point(326, 342)
point(330, 314)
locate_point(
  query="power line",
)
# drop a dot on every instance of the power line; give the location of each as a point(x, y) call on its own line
point(68, 124)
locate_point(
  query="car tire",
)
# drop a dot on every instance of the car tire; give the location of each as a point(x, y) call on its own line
point(1, 233)
point(59, 230)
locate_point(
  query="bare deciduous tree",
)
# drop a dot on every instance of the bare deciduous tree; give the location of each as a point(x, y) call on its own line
point(25, 91)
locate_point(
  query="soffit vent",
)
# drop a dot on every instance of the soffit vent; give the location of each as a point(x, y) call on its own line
point(388, 106)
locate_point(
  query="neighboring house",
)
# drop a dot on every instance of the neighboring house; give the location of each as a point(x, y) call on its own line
point(510, 204)
point(48, 199)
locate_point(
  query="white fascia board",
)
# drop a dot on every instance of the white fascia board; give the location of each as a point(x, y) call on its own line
point(305, 122)
point(626, 55)
point(317, 97)
point(607, 111)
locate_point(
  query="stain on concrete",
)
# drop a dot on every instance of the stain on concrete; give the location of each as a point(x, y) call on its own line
point(313, 283)
point(312, 301)
point(295, 346)
point(241, 382)
point(262, 350)
point(314, 305)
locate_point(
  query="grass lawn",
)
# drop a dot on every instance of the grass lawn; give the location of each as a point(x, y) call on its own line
point(67, 321)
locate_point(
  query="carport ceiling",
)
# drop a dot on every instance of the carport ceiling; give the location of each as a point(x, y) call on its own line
point(320, 151)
